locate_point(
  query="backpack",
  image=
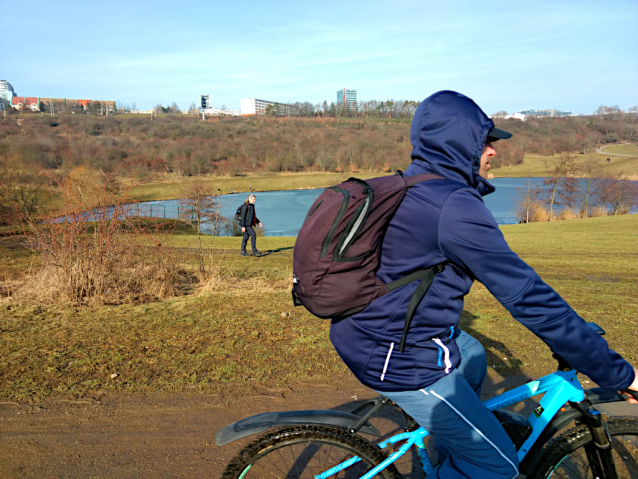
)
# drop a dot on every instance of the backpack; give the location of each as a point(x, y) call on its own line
point(338, 249)
point(238, 214)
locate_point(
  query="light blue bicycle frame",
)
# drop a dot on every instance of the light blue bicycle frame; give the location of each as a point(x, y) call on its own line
point(559, 388)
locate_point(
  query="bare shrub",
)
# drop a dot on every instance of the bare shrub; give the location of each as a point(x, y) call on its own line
point(91, 250)
point(540, 213)
point(568, 214)
point(598, 211)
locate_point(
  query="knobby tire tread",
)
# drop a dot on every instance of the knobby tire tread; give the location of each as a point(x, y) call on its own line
point(577, 438)
point(332, 435)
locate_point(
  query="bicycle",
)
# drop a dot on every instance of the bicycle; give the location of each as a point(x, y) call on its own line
point(327, 444)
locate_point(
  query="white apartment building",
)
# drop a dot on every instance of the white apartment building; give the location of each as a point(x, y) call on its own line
point(253, 106)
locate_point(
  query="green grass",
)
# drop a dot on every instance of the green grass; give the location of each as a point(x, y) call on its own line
point(234, 336)
point(592, 263)
point(622, 149)
point(535, 166)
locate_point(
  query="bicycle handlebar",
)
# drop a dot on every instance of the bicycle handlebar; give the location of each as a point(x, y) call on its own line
point(631, 393)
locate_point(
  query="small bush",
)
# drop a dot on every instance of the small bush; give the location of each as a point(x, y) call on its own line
point(568, 214)
point(90, 250)
point(540, 214)
point(598, 211)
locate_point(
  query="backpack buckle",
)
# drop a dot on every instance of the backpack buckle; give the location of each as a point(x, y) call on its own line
point(440, 267)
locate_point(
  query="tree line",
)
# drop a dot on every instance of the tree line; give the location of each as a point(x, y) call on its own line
point(171, 144)
point(571, 190)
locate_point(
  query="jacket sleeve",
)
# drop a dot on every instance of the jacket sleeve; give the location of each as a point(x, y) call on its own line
point(469, 236)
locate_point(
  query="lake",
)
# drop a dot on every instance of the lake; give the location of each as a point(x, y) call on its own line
point(282, 212)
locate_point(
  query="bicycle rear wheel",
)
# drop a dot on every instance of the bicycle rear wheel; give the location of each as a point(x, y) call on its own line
point(301, 452)
point(566, 457)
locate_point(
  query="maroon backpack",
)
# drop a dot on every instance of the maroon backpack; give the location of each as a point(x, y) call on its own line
point(338, 249)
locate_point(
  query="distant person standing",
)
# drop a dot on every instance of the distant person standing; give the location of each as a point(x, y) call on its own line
point(248, 220)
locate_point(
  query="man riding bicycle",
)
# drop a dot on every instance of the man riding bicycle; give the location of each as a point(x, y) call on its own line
point(437, 378)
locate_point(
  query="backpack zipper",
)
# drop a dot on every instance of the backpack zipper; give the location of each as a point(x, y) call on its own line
point(342, 211)
point(315, 208)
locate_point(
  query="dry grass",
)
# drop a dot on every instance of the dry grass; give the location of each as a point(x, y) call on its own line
point(598, 211)
point(87, 251)
point(224, 278)
point(124, 275)
point(233, 334)
point(568, 214)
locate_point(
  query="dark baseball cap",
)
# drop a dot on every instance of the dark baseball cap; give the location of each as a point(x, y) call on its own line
point(496, 134)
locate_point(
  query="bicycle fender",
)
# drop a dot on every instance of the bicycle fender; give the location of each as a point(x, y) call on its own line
point(261, 422)
point(562, 419)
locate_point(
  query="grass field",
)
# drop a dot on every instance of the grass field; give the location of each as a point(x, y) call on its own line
point(623, 149)
point(535, 166)
point(231, 332)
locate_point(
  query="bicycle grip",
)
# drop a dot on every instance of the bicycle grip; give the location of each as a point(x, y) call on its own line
point(631, 393)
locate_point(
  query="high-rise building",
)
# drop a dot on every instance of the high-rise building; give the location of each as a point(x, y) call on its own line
point(6, 93)
point(347, 97)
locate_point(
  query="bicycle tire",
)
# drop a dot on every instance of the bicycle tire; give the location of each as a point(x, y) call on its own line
point(301, 452)
point(565, 457)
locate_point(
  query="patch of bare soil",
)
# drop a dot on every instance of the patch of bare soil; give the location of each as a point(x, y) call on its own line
point(164, 435)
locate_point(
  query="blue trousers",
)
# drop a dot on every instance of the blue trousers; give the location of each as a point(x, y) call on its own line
point(249, 233)
point(470, 441)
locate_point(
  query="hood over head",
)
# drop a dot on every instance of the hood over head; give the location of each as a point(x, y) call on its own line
point(448, 134)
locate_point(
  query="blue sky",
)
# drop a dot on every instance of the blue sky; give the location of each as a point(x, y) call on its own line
point(506, 55)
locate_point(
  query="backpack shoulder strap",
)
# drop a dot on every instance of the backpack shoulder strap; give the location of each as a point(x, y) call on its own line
point(413, 180)
point(426, 276)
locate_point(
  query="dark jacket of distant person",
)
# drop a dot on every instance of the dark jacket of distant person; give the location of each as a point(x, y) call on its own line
point(248, 216)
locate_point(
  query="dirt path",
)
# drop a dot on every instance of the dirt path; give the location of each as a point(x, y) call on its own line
point(160, 436)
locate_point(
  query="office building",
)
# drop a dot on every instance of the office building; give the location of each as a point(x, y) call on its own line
point(6, 93)
point(346, 98)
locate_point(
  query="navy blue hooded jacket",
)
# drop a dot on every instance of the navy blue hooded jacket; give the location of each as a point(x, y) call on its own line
point(443, 220)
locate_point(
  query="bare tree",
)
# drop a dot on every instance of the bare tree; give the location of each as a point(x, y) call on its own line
point(201, 205)
point(602, 191)
point(589, 170)
point(559, 188)
point(322, 159)
point(624, 195)
point(21, 191)
point(528, 199)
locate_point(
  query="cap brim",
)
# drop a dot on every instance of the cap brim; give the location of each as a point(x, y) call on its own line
point(497, 134)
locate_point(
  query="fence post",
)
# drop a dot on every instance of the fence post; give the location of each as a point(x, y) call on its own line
point(151, 206)
point(177, 211)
